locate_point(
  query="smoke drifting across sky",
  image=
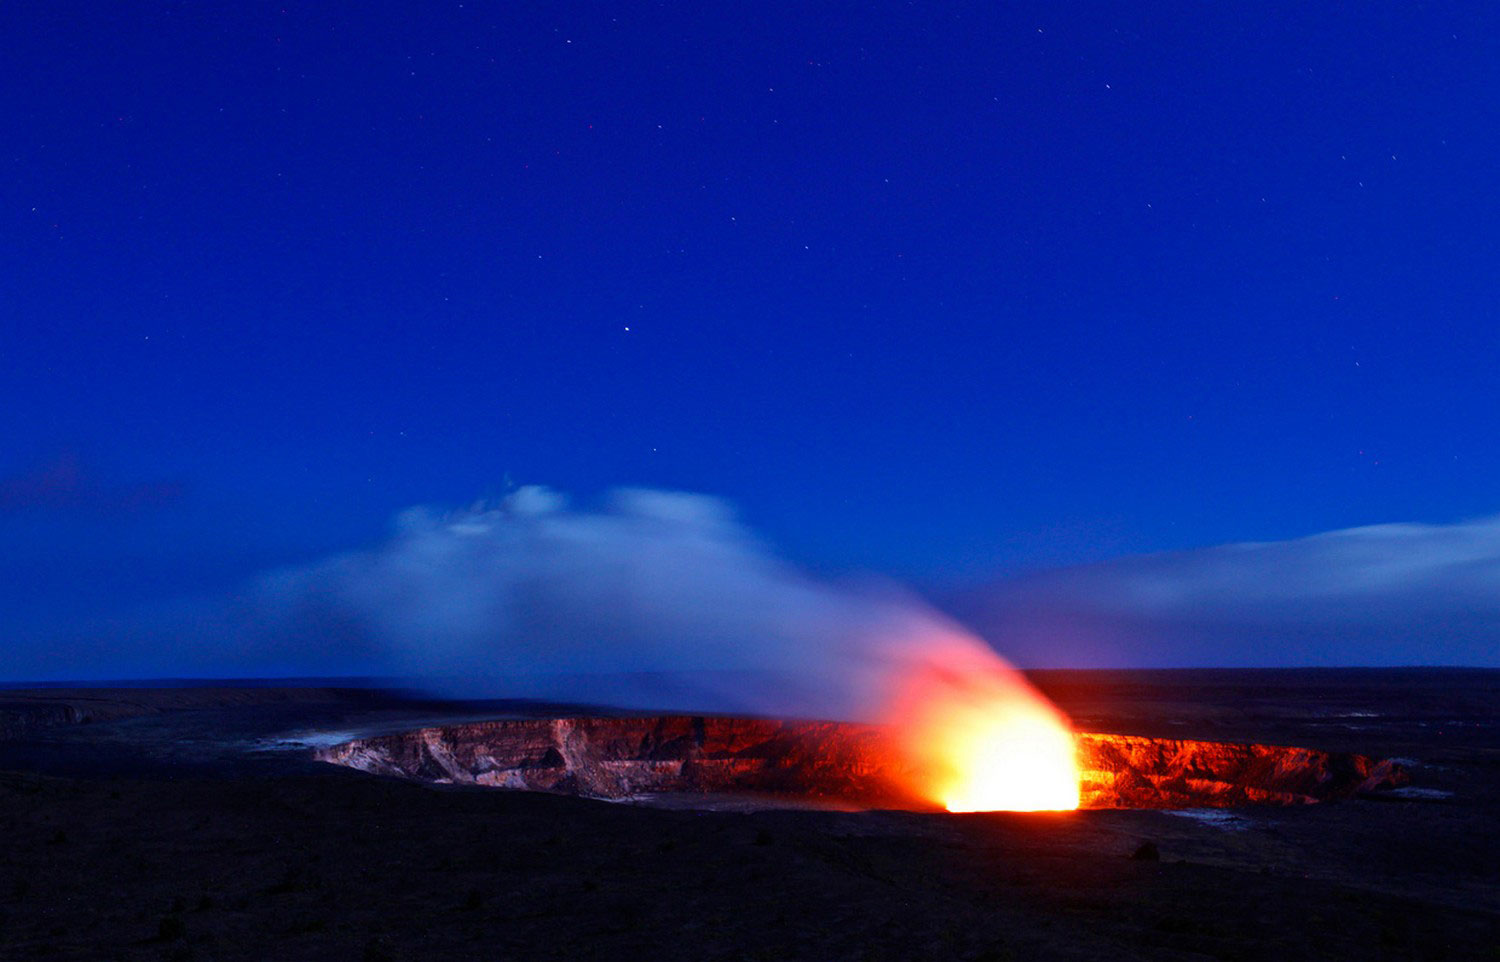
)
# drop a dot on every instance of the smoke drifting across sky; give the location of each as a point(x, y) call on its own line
point(659, 598)
point(1389, 594)
point(665, 599)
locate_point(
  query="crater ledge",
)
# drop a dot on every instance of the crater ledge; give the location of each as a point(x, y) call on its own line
point(625, 757)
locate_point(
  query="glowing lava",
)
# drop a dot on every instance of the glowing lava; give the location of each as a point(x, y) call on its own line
point(1005, 761)
point(980, 738)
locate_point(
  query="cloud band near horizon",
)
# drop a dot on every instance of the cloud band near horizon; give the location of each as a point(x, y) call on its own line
point(1387, 594)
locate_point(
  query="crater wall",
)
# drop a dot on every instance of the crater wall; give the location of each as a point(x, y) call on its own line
point(621, 757)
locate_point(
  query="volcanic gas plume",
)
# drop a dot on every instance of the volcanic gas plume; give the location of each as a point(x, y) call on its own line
point(664, 601)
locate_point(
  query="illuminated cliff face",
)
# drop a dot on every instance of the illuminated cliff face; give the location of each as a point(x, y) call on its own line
point(829, 761)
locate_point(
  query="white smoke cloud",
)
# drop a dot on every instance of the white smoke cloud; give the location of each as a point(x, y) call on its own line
point(660, 599)
point(1381, 594)
point(665, 600)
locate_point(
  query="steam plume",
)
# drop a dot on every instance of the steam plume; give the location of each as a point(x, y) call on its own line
point(659, 599)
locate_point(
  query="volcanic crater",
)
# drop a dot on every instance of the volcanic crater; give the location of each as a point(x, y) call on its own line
point(640, 757)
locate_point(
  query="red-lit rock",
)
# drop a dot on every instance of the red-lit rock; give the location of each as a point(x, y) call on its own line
point(1129, 771)
point(619, 757)
point(622, 757)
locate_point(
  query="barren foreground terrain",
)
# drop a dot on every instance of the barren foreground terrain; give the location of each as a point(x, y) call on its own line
point(191, 823)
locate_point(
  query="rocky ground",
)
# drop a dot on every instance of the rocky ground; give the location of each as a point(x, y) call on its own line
point(204, 831)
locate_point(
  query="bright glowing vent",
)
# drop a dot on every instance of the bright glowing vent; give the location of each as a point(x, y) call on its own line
point(1009, 764)
point(982, 739)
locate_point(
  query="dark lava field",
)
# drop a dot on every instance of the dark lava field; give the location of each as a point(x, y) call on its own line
point(192, 823)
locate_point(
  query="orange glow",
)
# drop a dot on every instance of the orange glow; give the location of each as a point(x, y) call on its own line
point(1007, 761)
point(980, 738)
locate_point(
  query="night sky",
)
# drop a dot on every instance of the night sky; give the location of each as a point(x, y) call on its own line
point(962, 295)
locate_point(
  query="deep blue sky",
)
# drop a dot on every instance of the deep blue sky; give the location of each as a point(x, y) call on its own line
point(940, 291)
